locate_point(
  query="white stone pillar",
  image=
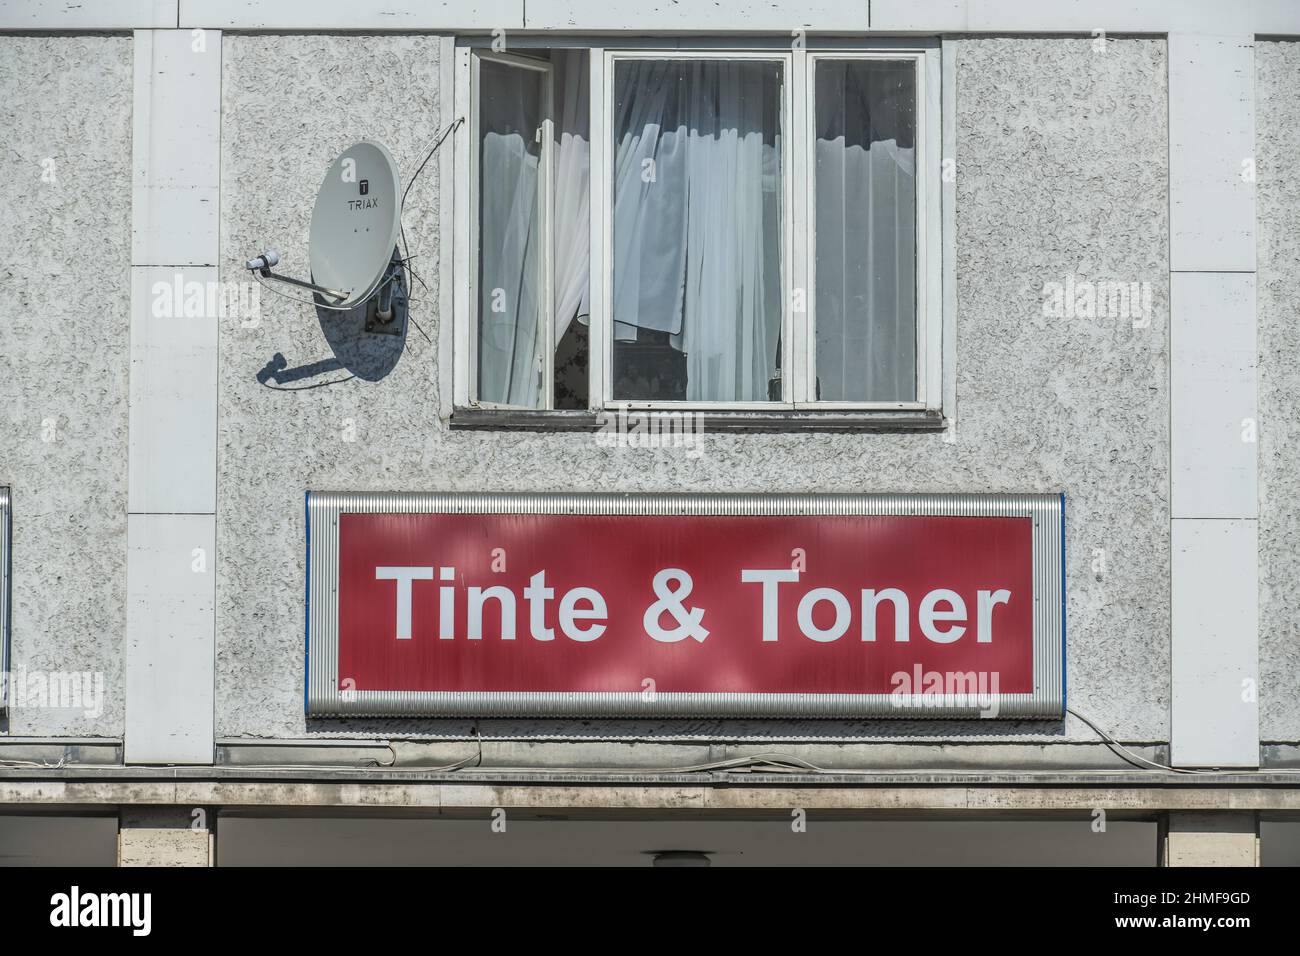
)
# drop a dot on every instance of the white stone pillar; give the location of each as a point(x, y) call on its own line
point(1212, 839)
point(164, 836)
point(171, 520)
point(1214, 647)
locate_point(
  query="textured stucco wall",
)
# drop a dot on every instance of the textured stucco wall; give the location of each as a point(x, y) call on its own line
point(64, 352)
point(272, 445)
point(1277, 139)
point(1062, 170)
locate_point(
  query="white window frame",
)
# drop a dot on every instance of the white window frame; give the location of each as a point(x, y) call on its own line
point(798, 144)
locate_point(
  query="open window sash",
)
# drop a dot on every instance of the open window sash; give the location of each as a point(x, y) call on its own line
point(513, 197)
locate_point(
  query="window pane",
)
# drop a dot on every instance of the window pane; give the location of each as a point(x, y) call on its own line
point(697, 230)
point(511, 111)
point(865, 230)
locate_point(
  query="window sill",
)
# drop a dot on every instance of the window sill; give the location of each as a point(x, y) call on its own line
point(497, 419)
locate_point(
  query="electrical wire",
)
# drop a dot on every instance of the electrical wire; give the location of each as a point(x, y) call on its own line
point(401, 209)
point(410, 300)
point(428, 156)
point(475, 758)
point(786, 763)
point(401, 225)
point(1129, 755)
point(419, 328)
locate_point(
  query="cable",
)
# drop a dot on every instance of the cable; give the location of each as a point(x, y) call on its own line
point(401, 225)
point(1127, 754)
point(789, 762)
point(475, 758)
point(428, 156)
point(784, 762)
point(401, 209)
point(419, 328)
point(1113, 743)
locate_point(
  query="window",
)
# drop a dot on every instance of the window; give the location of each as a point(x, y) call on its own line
point(863, 229)
point(734, 231)
point(699, 229)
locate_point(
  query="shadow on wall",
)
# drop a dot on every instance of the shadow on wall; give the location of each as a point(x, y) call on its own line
point(358, 352)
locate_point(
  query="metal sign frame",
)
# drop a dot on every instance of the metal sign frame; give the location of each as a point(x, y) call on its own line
point(324, 697)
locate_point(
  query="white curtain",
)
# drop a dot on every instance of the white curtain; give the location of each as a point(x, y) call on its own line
point(865, 232)
point(697, 218)
point(650, 194)
point(572, 190)
point(510, 260)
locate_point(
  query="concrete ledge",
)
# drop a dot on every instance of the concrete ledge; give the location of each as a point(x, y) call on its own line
point(607, 756)
point(696, 793)
point(992, 16)
point(308, 757)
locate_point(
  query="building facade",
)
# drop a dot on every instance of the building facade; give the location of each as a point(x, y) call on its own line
point(1100, 208)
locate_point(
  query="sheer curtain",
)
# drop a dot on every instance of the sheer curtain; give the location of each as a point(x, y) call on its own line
point(510, 249)
point(865, 231)
point(697, 218)
point(572, 190)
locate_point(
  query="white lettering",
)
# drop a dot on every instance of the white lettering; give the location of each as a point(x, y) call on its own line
point(537, 594)
point(447, 605)
point(984, 620)
point(403, 577)
point(871, 600)
point(842, 615)
point(769, 579)
point(929, 613)
point(505, 599)
point(570, 614)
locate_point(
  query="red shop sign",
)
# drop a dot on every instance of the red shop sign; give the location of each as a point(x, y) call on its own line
point(587, 605)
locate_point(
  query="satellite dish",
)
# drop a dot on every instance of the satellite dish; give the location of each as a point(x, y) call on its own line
point(355, 225)
point(355, 222)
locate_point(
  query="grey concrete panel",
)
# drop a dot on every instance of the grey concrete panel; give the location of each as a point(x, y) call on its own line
point(65, 107)
point(1278, 292)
